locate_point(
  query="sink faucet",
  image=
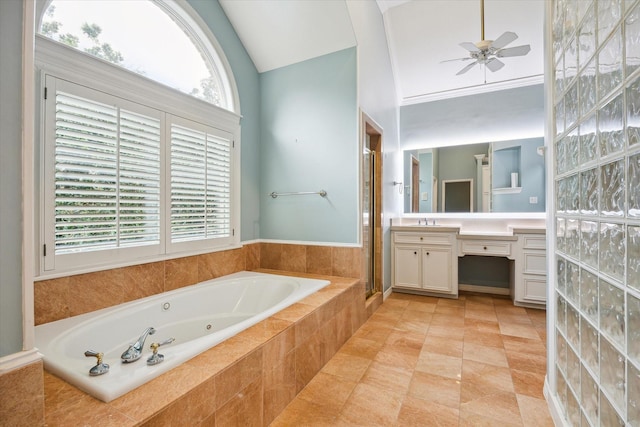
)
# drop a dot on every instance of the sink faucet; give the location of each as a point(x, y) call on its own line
point(134, 351)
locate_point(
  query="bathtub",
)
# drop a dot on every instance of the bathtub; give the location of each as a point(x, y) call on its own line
point(198, 317)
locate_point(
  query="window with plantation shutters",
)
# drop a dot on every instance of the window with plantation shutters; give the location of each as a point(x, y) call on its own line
point(124, 181)
point(107, 176)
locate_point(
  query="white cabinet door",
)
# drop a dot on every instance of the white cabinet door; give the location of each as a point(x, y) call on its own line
point(407, 266)
point(436, 269)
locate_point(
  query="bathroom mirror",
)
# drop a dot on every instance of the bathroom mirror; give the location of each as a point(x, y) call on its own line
point(504, 176)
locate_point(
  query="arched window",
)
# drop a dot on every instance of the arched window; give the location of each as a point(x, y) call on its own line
point(135, 166)
point(155, 39)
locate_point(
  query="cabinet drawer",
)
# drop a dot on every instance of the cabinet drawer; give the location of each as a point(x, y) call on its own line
point(535, 263)
point(534, 242)
point(486, 247)
point(535, 289)
point(423, 238)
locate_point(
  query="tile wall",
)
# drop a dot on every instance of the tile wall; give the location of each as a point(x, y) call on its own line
point(73, 295)
point(596, 53)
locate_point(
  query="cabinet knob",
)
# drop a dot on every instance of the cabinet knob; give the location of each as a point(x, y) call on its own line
point(427, 253)
point(421, 238)
point(485, 248)
point(415, 253)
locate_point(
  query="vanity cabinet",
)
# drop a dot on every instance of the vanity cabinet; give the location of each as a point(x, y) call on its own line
point(530, 285)
point(425, 261)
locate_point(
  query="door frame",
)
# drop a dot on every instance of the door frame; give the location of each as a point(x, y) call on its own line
point(370, 128)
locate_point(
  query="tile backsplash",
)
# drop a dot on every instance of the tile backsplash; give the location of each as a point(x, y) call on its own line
point(64, 297)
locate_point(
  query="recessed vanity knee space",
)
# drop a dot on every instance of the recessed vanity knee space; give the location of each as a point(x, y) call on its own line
point(437, 260)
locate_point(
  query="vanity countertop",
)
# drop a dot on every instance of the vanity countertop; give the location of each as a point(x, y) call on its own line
point(426, 228)
point(530, 230)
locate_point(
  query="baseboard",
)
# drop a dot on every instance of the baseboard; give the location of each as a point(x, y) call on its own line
point(484, 289)
point(386, 294)
point(554, 405)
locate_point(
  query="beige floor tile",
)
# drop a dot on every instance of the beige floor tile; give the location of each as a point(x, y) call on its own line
point(443, 345)
point(488, 339)
point(472, 419)
point(327, 391)
point(524, 345)
point(370, 405)
point(499, 406)
point(434, 388)
point(452, 332)
point(416, 412)
point(534, 412)
point(439, 364)
point(485, 354)
point(528, 383)
point(347, 366)
point(519, 330)
point(481, 314)
point(386, 377)
point(527, 362)
point(480, 380)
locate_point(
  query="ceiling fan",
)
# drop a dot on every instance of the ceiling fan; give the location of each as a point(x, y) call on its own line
point(487, 52)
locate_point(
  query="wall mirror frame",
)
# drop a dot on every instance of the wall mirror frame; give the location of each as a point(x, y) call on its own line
point(502, 177)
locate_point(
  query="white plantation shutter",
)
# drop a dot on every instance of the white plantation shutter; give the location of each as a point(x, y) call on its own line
point(85, 174)
point(200, 182)
point(124, 181)
point(139, 179)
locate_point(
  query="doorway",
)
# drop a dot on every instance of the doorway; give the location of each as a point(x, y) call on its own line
point(371, 206)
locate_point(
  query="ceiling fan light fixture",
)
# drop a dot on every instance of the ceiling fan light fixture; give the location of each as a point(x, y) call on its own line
point(487, 51)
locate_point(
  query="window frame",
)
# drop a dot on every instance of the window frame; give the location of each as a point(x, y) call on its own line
point(65, 63)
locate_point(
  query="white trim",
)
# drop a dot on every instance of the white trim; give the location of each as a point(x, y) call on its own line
point(484, 289)
point(553, 405)
point(473, 90)
point(305, 243)
point(549, 132)
point(28, 175)
point(18, 360)
point(386, 294)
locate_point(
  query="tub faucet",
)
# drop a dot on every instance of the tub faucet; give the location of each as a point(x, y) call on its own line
point(134, 351)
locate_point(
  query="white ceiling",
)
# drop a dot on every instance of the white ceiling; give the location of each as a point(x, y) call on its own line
point(420, 34)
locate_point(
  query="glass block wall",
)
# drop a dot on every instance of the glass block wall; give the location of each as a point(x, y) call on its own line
point(596, 159)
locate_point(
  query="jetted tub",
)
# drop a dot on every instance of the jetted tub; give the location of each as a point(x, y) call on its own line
point(198, 317)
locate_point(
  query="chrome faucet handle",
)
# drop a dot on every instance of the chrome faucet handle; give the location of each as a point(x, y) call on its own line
point(156, 357)
point(100, 368)
point(134, 352)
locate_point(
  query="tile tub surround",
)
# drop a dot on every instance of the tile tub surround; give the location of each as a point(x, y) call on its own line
point(246, 380)
point(64, 297)
point(22, 396)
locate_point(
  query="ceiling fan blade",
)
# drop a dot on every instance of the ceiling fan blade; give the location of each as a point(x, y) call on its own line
point(504, 40)
point(467, 68)
point(466, 58)
point(494, 64)
point(513, 51)
point(470, 47)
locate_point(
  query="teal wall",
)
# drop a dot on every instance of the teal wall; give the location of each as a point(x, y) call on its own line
point(10, 177)
point(532, 177)
point(309, 142)
point(459, 163)
point(248, 83)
